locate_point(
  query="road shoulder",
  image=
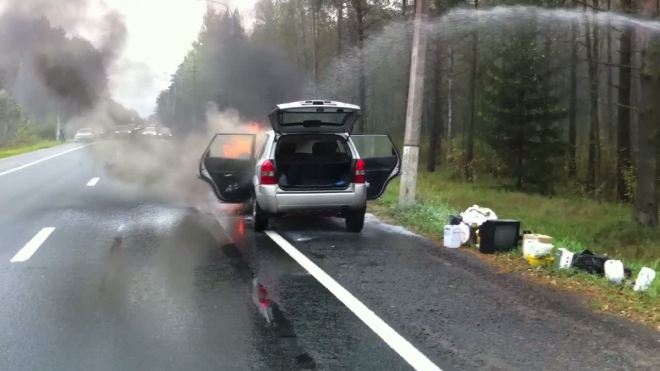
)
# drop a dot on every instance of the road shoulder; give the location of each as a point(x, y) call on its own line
point(456, 307)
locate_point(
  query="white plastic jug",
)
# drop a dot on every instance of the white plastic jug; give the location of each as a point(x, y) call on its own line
point(614, 271)
point(464, 232)
point(527, 246)
point(537, 249)
point(564, 258)
point(452, 236)
point(644, 279)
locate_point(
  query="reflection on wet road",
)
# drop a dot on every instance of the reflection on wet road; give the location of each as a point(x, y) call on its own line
point(131, 280)
point(268, 308)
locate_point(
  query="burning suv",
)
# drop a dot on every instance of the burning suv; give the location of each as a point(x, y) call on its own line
point(308, 163)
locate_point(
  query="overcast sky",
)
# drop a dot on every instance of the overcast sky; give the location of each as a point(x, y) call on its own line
point(160, 32)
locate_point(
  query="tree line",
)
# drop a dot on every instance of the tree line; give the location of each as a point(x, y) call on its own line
point(555, 99)
point(46, 76)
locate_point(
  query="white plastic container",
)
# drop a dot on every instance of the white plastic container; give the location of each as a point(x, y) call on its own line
point(452, 236)
point(614, 271)
point(644, 279)
point(529, 241)
point(536, 249)
point(464, 232)
point(564, 258)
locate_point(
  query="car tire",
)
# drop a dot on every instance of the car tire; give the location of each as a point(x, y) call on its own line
point(259, 217)
point(355, 220)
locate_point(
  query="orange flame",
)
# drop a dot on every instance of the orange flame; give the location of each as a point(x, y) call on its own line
point(240, 146)
point(253, 128)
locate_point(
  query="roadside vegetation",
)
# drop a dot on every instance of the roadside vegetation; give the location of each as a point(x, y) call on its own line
point(574, 222)
point(544, 115)
point(18, 134)
point(17, 150)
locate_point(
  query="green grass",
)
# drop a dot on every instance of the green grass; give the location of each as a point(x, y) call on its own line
point(13, 151)
point(574, 223)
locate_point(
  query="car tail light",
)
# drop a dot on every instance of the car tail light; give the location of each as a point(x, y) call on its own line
point(359, 171)
point(268, 173)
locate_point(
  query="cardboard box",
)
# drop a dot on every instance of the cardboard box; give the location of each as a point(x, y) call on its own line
point(539, 237)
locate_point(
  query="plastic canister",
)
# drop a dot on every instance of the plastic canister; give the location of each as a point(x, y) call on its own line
point(452, 236)
point(564, 258)
point(614, 271)
point(464, 232)
point(530, 239)
point(644, 279)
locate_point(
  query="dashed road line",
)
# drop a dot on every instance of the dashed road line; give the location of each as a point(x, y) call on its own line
point(31, 247)
point(93, 182)
point(400, 345)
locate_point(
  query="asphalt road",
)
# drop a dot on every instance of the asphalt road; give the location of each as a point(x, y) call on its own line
point(105, 275)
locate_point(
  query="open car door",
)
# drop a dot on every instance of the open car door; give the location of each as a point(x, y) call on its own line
point(381, 161)
point(228, 166)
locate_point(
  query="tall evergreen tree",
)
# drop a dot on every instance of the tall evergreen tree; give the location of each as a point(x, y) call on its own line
point(522, 110)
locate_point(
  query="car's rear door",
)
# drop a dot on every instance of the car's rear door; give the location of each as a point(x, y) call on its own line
point(381, 159)
point(227, 165)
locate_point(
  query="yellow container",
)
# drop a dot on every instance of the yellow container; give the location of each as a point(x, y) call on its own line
point(536, 262)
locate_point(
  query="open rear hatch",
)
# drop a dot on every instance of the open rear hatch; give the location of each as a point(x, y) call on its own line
point(313, 162)
point(317, 116)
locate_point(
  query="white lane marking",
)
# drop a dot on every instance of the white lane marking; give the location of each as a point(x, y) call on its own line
point(42, 160)
point(93, 182)
point(121, 226)
point(31, 247)
point(400, 345)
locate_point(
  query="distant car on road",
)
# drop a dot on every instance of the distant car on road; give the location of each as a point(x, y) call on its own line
point(123, 132)
point(84, 135)
point(308, 163)
point(102, 133)
point(150, 132)
point(165, 133)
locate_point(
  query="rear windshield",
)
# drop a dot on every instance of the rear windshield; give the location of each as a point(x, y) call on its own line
point(84, 131)
point(123, 127)
point(150, 130)
point(325, 116)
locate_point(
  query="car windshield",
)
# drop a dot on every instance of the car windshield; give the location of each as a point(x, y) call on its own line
point(85, 131)
point(165, 131)
point(150, 130)
point(123, 128)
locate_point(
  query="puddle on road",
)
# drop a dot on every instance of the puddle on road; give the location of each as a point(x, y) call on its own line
point(396, 229)
point(268, 308)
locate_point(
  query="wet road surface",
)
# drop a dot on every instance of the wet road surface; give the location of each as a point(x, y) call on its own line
point(109, 277)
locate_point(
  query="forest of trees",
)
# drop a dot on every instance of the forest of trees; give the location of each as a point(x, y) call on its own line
point(45, 74)
point(560, 99)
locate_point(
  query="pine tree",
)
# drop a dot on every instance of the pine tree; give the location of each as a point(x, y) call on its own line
point(521, 111)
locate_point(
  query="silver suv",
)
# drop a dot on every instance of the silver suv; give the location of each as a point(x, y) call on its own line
point(309, 163)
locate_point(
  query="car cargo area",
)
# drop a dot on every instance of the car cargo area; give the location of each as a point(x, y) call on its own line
point(313, 162)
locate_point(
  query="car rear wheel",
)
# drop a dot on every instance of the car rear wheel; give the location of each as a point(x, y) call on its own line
point(259, 217)
point(355, 220)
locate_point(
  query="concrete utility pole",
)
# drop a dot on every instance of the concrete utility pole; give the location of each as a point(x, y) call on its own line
point(414, 111)
point(57, 131)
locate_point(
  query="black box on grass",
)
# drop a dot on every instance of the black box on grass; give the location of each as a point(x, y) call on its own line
point(499, 235)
